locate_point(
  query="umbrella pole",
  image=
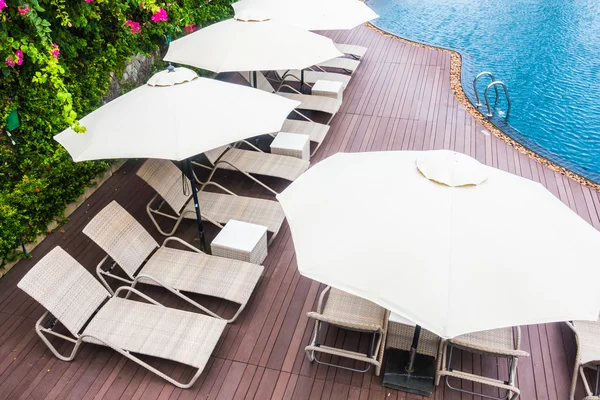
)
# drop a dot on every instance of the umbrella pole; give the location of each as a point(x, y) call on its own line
point(410, 367)
point(408, 371)
point(254, 79)
point(197, 207)
point(302, 80)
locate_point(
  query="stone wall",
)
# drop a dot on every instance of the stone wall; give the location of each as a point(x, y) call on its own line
point(137, 71)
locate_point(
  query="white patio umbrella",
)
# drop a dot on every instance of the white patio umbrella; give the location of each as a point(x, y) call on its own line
point(312, 14)
point(176, 116)
point(245, 44)
point(175, 120)
point(497, 252)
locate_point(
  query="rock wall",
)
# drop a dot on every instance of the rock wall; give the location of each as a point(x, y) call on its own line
point(137, 71)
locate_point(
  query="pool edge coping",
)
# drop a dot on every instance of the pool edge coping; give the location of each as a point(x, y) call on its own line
point(457, 88)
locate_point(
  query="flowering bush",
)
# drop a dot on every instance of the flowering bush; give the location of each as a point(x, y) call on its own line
point(57, 59)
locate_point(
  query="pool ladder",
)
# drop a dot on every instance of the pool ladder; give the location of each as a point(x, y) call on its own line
point(494, 85)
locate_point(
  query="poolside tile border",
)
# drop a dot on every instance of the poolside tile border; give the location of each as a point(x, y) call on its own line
point(456, 85)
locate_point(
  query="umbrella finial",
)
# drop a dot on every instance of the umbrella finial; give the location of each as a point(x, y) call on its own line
point(451, 168)
point(178, 76)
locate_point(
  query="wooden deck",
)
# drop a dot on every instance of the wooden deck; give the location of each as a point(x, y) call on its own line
point(400, 98)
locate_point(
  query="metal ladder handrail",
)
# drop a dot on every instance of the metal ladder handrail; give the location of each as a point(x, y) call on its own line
point(481, 75)
point(487, 101)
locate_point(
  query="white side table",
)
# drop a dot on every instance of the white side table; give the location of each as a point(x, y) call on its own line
point(241, 241)
point(291, 144)
point(328, 89)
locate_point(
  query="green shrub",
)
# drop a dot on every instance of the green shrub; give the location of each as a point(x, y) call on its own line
point(56, 62)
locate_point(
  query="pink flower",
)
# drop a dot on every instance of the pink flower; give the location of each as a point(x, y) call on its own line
point(23, 10)
point(141, 5)
point(55, 51)
point(9, 61)
point(89, 1)
point(19, 55)
point(135, 26)
point(190, 28)
point(2, 4)
point(160, 15)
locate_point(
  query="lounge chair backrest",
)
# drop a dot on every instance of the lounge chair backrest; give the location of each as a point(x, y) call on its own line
point(263, 82)
point(123, 238)
point(214, 154)
point(165, 178)
point(66, 289)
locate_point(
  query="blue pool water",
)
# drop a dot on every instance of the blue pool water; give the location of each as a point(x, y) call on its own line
point(546, 51)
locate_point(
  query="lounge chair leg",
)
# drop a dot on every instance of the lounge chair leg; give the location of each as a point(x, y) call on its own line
point(39, 329)
point(150, 368)
point(151, 213)
point(311, 353)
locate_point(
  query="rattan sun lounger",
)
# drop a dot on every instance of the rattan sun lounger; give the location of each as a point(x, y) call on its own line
point(587, 338)
point(218, 208)
point(346, 64)
point(311, 77)
point(504, 342)
point(128, 245)
point(252, 163)
point(308, 102)
point(352, 50)
point(72, 296)
point(354, 313)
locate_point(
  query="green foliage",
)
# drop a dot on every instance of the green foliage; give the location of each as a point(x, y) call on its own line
point(56, 59)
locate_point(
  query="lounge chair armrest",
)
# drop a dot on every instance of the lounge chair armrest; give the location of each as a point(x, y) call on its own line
point(491, 350)
point(183, 242)
point(288, 73)
point(302, 115)
point(133, 290)
point(223, 188)
point(289, 87)
point(346, 324)
point(158, 282)
point(322, 298)
point(198, 164)
point(251, 145)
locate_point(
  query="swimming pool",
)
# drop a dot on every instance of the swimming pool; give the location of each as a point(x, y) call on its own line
point(546, 51)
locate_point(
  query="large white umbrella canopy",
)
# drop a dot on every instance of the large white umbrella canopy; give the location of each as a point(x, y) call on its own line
point(312, 14)
point(238, 45)
point(493, 250)
point(175, 116)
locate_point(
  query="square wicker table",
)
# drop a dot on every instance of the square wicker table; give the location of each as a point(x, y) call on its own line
point(291, 144)
point(328, 89)
point(241, 241)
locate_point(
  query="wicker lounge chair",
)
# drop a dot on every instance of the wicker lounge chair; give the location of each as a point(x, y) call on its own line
point(251, 163)
point(504, 342)
point(129, 246)
point(349, 312)
point(72, 296)
point(218, 208)
point(308, 102)
point(587, 337)
point(352, 50)
point(311, 76)
point(346, 64)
